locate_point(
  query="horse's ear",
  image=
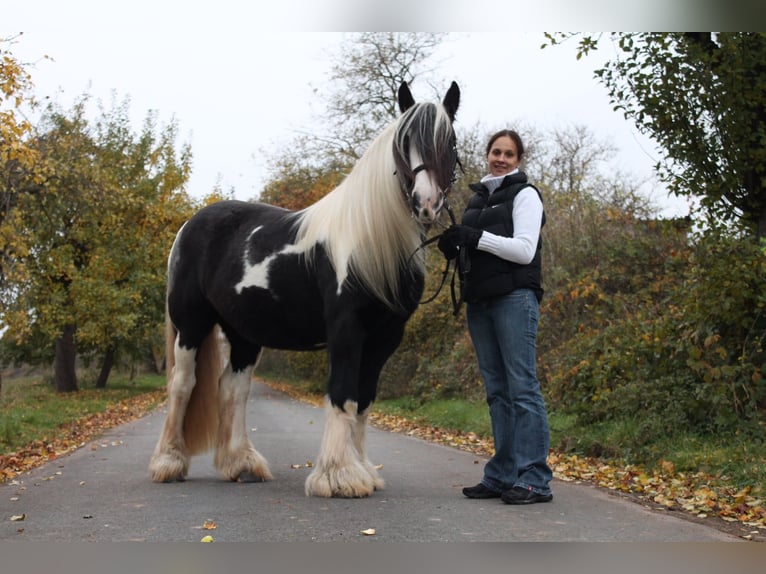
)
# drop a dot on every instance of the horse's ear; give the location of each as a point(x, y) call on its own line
point(406, 101)
point(452, 100)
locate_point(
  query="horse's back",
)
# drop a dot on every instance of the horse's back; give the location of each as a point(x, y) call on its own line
point(234, 264)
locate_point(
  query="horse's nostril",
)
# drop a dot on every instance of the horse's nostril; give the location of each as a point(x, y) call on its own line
point(427, 215)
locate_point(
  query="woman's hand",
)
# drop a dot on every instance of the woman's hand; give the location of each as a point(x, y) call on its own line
point(458, 236)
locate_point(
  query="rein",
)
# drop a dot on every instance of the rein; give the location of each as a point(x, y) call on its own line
point(461, 262)
point(457, 300)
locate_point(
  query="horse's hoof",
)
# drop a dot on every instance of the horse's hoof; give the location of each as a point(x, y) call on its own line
point(168, 479)
point(335, 486)
point(168, 467)
point(249, 476)
point(249, 466)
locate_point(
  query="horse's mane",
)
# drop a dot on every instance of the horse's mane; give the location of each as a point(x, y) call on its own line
point(365, 224)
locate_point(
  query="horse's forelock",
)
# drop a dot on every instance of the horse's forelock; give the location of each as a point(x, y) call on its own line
point(427, 127)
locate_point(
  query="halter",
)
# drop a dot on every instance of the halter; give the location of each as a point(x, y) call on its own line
point(408, 195)
point(435, 143)
point(407, 192)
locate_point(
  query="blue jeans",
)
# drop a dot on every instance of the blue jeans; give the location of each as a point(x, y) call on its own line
point(504, 333)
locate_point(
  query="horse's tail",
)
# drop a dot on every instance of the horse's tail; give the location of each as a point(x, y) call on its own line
point(201, 420)
point(201, 416)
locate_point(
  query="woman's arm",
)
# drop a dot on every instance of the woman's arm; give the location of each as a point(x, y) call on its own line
point(527, 221)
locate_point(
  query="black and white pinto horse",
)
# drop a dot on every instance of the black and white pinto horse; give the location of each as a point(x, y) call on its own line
point(344, 273)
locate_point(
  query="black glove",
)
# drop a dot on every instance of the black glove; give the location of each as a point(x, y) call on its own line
point(458, 236)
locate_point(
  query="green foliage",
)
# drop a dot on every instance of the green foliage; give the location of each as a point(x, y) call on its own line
point(454, 414)
point(685, 351)
point(702, 97)
point(91, 225)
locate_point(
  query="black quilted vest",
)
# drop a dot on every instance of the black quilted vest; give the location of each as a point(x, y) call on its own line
point(488, 275)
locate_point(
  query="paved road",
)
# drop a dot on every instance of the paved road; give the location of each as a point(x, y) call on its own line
point(102, 492)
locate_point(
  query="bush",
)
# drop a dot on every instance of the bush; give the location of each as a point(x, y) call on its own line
point(692, 359)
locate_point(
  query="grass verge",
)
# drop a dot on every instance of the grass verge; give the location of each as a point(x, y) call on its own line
point(32, 411)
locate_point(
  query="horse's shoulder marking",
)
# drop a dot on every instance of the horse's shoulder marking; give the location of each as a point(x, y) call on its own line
point(257, 274)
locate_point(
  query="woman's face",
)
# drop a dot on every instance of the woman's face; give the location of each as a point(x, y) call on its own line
point(503, 156)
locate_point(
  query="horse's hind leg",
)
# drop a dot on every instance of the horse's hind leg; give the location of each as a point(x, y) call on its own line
point(235, 456)
point(170, 460)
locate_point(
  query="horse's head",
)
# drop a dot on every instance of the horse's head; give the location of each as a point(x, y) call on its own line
point(425, 151)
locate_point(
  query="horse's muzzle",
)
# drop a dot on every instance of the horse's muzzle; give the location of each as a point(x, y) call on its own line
point(426, 210)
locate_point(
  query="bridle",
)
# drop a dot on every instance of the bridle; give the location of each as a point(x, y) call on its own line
point(461, 262)
point(408, 189)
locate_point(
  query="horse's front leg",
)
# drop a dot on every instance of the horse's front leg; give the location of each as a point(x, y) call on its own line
point(235, 456)
point(339, 471)
point(170, 460)
point(359, 437)
point(378, 347)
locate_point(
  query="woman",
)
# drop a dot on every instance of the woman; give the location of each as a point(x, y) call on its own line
point(501, 267)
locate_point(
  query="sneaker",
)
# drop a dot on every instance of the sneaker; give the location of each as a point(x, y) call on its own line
point(519, 495)
point(480, 491)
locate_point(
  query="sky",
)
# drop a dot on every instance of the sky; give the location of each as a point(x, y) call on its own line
point(240, 83)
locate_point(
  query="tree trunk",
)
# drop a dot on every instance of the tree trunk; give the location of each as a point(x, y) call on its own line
point(64, 375)
point(106, 368)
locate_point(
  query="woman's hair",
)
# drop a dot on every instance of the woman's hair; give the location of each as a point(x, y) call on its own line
point(511, 134)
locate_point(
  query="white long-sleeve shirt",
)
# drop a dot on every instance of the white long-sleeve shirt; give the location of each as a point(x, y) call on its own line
point(527, 220)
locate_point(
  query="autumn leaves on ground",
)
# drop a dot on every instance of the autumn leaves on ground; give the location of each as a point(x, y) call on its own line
point(696, 495)
point(76, 434)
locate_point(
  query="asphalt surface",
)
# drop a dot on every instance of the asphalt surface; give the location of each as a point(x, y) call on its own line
point(102, 492)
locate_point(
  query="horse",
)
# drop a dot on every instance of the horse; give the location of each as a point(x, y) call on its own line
point(344, 274)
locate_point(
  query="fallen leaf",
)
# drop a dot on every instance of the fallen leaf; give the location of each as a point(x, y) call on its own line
point(369, 532)
point(18, 517)
point(77, 434)
point(697, 493)
point(209, 525)
point(207, 538)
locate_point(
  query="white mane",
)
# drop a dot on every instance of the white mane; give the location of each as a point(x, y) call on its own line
point(365, 225)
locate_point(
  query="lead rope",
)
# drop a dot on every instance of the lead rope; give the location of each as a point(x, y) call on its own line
point(461, 262)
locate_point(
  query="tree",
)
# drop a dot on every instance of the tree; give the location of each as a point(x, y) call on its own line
point(15, 154)
point(702, 98)
point(300, 186)
point(90, 230)
point(364, 78)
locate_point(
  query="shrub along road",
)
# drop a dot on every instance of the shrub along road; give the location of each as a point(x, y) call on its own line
point(102, 492)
